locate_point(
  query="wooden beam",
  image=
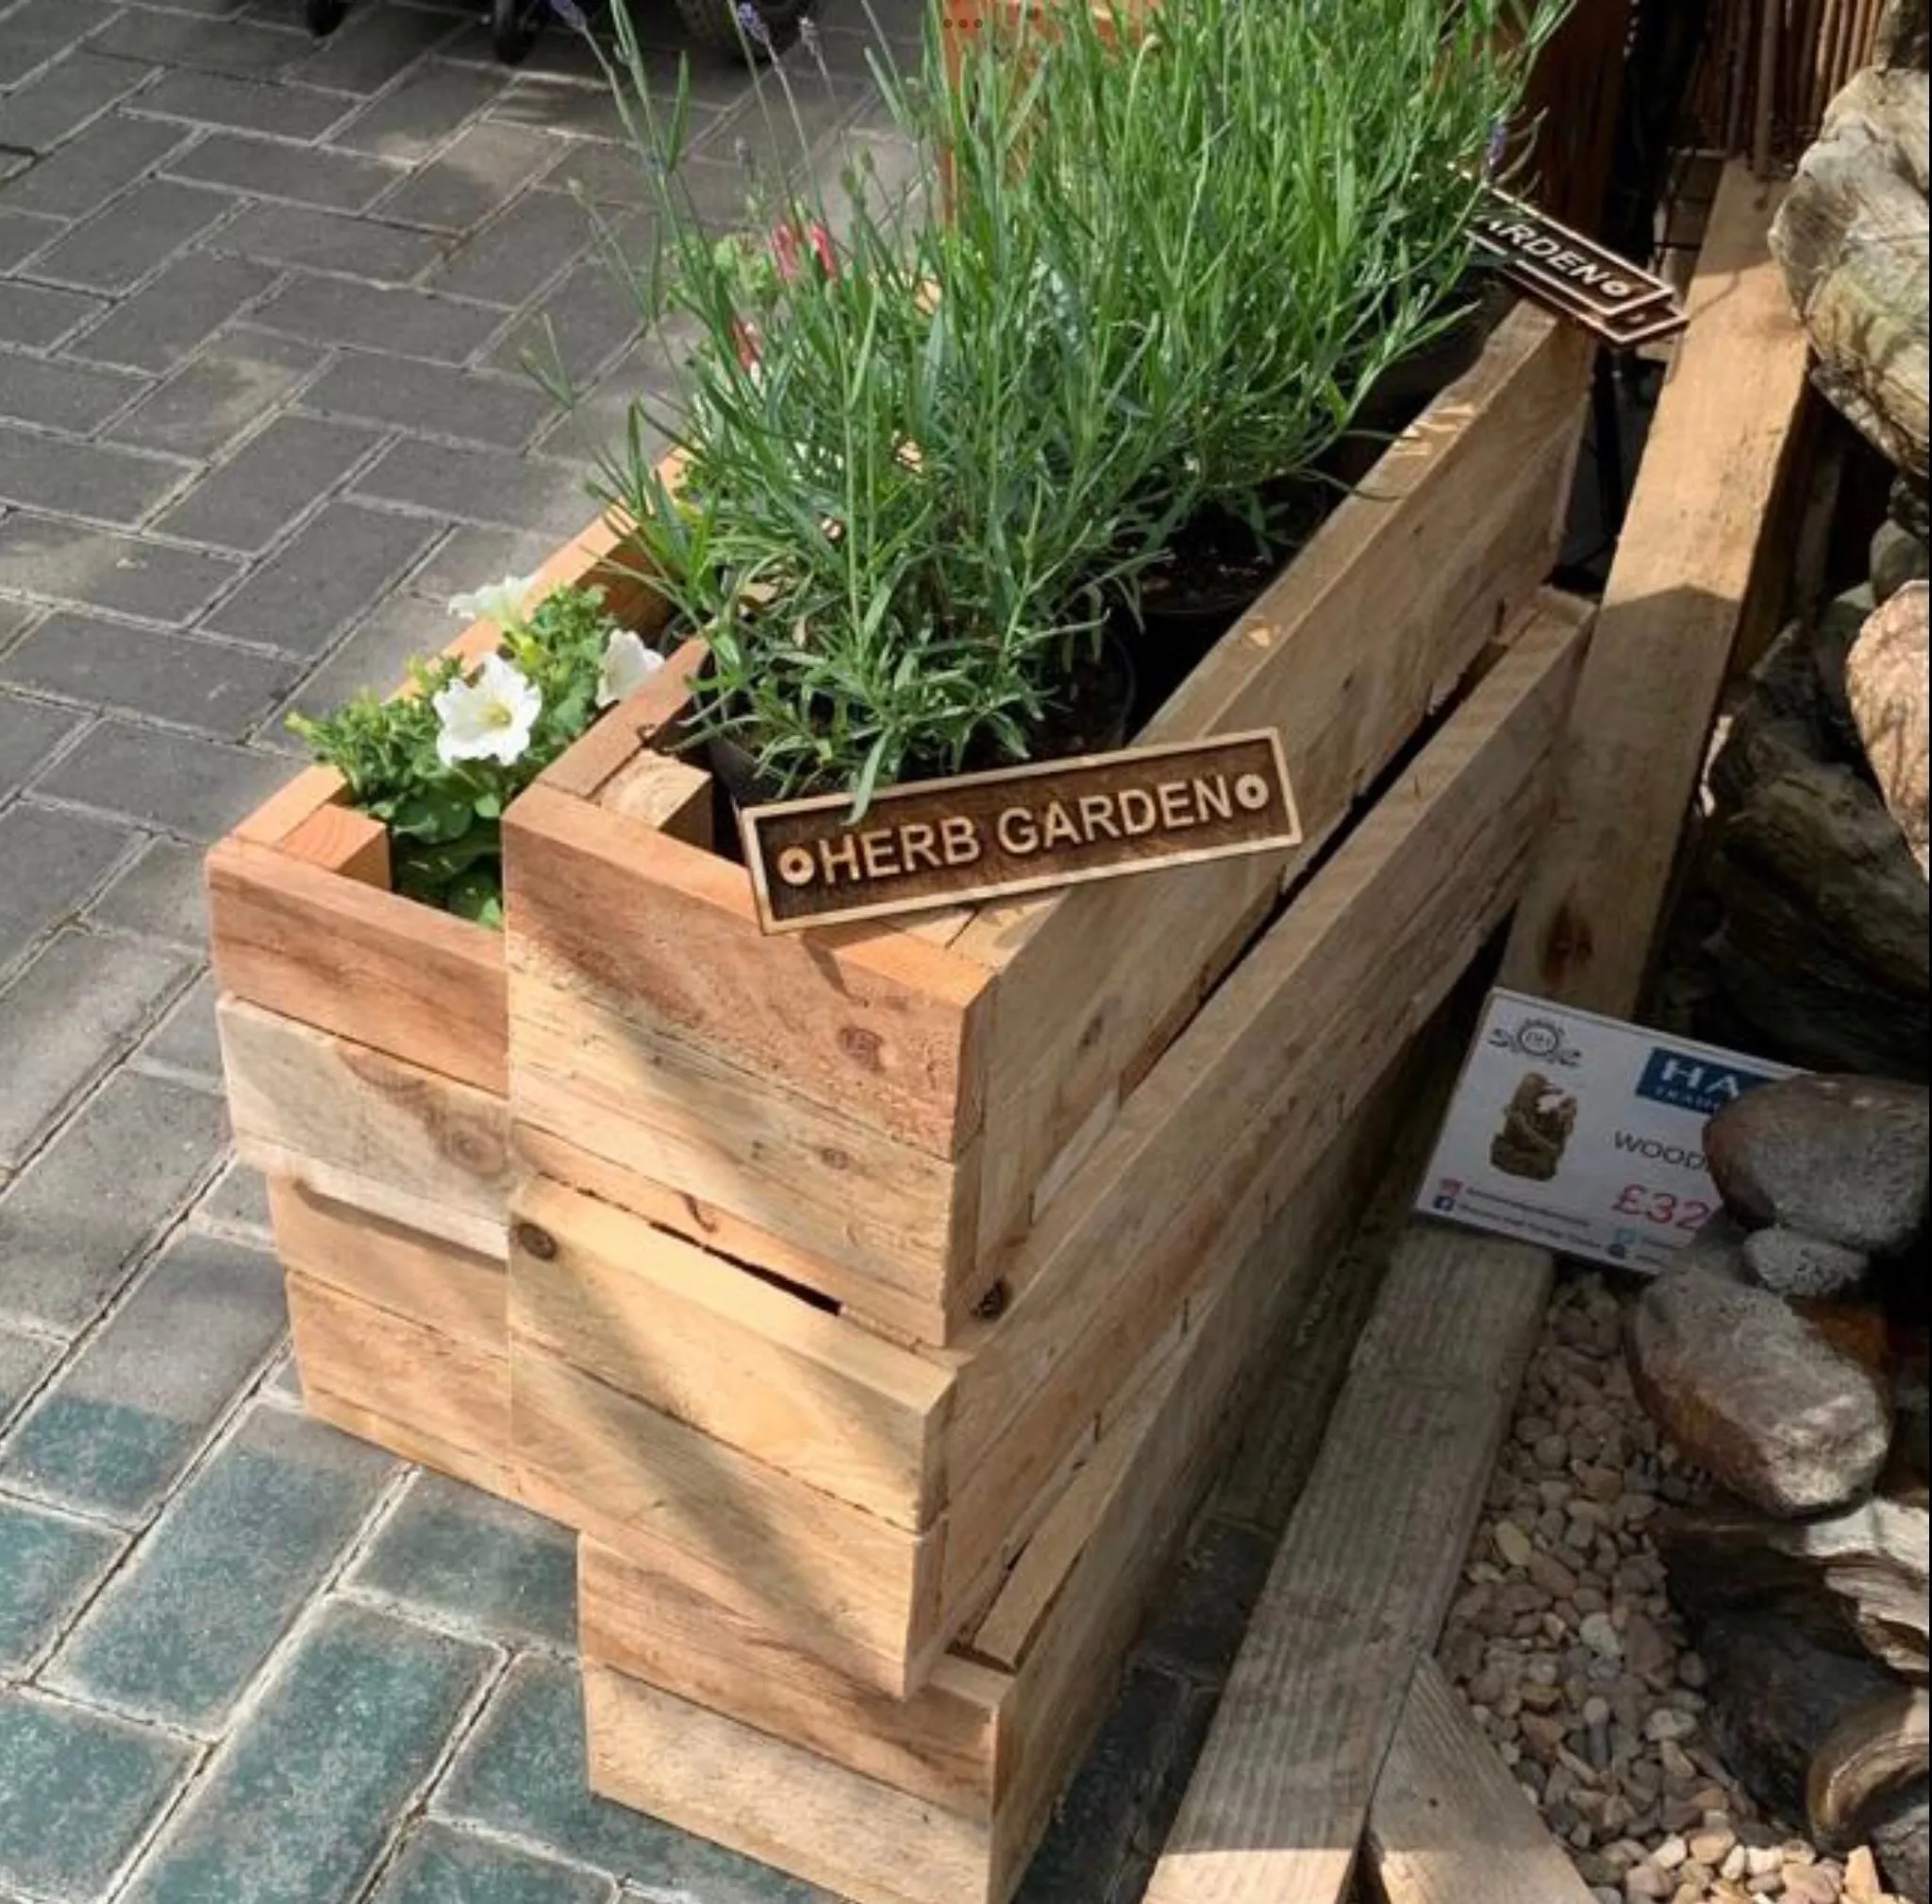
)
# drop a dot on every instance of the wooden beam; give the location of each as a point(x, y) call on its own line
point(1359, 1588)
point(1694, 551)
point(1450, 1824)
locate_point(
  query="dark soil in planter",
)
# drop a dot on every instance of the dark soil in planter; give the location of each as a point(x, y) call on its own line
point(1407, 388)
point(1206, 582)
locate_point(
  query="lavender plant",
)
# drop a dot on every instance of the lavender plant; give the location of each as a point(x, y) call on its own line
point(916, 453)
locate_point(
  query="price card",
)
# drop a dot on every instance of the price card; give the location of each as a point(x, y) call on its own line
point(1584, 1134)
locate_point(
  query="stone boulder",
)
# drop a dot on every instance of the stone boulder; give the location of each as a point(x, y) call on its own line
point(1902, 38)
point(1852, 238)
point(1843, 1159)
point(1756, 1396)
point(1821, 950)
point(1891, 697)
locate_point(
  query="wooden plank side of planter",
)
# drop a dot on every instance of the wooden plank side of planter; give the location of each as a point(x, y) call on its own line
point(1228, 1125)
point(698, 1719)
point(347, 958)
point(362, 1127)
point(458, 1292)
point(730, 1354)
point(415, 1390)
point(1368, 629)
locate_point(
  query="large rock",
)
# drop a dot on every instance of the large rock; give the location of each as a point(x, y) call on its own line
point(1852, 236)
point(1822, 952)
point(1757, 1397)
point(1902, 39)
point(1841, 1159)
point(1898, 558)
point(1855, 1579)
point(1899, 1832)
point(1890, 697)
point(1775, 1697)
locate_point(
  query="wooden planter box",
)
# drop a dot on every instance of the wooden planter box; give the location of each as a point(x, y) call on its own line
point(872, 1299)
point(776, 1177)
point(365, 1040)
point(703, 1715)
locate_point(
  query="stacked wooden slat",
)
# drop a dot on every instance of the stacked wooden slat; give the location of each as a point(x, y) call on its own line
point(875, 1302)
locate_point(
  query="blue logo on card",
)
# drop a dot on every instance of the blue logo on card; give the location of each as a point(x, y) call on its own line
point(1705, 1085)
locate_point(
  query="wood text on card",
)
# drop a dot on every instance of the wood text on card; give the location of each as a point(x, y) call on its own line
point(1576, 276)
point(1023, 829)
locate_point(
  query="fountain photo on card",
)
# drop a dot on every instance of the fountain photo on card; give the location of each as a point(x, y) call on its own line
point(1584, 1134)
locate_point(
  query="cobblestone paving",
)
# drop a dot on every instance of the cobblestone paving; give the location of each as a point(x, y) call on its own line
point(263, 302)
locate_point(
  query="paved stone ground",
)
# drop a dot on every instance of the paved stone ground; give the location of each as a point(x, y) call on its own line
point(261, 306)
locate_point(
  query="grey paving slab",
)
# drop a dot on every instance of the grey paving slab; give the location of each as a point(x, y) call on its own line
point(116, 1427)
point(25, 1360)
point(228, 386)
point(77, 1790)
point(429, 398)
point(30, 732)
point(376, 656)
point(269, 480)
point(475, 1562)
point(409, 322)
point(74, 178)
point(578, 328)
point(70, 562)
point(39, 30)
point(48, 1562)
point(479, 172)
point(482, 486)
point(439, 1866)
point(50, 863)
point(244, 48)
point(299, 1808)
point(64, 1018)
point(320, 581)
point(23, 233)
point(375, 44)
point(185, 1627)
point(109, 484)
point(417, 114)
point(119, 245)
point(243, 104)
point(470, 555)
point(221, 691)
point(161, 894)
point(236, 1201)
point(73, 1222)
point(181, 783)
point(272, 168)
point(187, 1040)
point(64, 397)
point(513, 257)
point(36, 316)
point(313, 240)
point(64, 96)
point(174, 313)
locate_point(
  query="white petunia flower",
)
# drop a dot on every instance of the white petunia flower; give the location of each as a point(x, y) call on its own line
point(627, 665)
point(502, 603)
point(488, 718)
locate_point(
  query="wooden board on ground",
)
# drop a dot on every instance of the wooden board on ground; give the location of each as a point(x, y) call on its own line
point(1450, 1824)
point(1276, 1809)
point(1694, 547)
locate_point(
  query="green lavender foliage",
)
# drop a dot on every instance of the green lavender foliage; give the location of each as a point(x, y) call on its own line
point(445, 819)
point(1297, 181)
point(917, 458)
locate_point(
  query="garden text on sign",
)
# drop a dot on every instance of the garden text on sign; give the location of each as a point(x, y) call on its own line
point(1576, 276)
point(1023, 829)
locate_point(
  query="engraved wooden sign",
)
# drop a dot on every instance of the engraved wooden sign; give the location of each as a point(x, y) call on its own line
point(1576, 276)
point(1022, 830)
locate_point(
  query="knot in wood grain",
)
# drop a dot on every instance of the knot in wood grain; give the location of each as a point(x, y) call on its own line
point(536, 1242)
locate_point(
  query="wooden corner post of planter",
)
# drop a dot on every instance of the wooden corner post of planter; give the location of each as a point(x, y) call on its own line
point(365, 1042)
